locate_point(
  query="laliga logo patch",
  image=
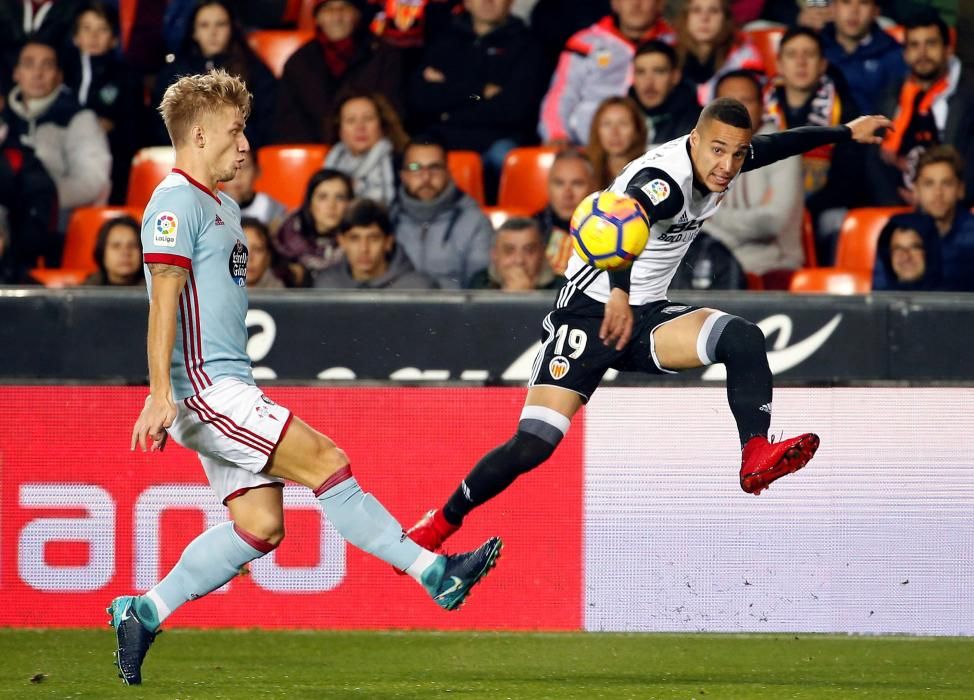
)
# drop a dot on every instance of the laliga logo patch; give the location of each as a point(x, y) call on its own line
point(238, 264)
point(164, 233)
point(558, 367)
point(658, 190)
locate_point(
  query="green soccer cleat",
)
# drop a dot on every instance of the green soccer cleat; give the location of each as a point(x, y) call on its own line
point(133, 639)
point(450, 578)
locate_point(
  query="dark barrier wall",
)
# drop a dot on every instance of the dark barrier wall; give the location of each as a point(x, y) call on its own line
point(100, 335)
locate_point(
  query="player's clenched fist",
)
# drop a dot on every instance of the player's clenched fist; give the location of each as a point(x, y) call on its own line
point(157, 415)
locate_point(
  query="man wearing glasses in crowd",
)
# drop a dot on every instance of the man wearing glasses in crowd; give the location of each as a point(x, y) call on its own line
point(442, 230)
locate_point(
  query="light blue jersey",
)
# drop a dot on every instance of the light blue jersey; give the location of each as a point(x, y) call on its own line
point(186, 225)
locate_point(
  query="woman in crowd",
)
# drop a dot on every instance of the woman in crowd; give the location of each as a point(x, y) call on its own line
point(214, 39)
point(262, 263)
point(308, 238)
point(118, 254)
point(708, 45)
point(370, 136)
point(617, 136)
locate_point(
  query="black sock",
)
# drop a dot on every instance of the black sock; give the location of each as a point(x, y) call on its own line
point(741, 348)
point(495, 471)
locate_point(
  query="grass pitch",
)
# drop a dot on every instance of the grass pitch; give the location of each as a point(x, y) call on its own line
point(257, 664)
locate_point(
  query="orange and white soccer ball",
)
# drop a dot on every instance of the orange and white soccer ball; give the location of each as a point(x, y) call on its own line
point(609, 230)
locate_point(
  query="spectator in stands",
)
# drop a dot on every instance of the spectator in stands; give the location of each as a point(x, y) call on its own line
point(441, 229)
point(934, 104)
point(596, 63)
point(105, 84)
point(708, 45)
point(214, 39)
point(908, 255)
point(49, 22)
point(308, 238)
point(709, 265)
point(669, 103)
point(617, 136)
point(118, 254)
point(372, 259)
point(262, 264)
point(570, 180)
point(554, 22)
point(517, 260)
point(761, 216)
point(370, 136)
point(805, 94)
point(869, 58)
point(479, 85)
point(344, 56)
point(43, 114)
point(28, 210)
point(939, 190)
point(258, 205)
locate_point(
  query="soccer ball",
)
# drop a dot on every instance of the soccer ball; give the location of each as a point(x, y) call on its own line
point(609, 230)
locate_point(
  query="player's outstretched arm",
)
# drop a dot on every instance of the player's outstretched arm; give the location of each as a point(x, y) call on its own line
point(160, 411)
point(770, 148)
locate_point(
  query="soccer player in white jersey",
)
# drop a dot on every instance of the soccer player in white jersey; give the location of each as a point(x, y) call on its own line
point(624, 320)
point(202, 392)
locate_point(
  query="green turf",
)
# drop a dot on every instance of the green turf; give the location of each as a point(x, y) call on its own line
point(254, 664)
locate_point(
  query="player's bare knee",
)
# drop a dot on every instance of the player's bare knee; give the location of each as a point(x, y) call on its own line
point(329, 458)
point(262, 525)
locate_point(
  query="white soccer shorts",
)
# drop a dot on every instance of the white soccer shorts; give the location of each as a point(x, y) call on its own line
point(234, 428)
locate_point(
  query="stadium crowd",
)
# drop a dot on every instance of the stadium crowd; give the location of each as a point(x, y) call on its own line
point(430, 144)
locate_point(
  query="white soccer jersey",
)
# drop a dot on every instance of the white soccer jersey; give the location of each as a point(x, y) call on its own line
point(665, 175)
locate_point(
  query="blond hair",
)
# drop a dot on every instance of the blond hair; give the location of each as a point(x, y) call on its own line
point(186, 100)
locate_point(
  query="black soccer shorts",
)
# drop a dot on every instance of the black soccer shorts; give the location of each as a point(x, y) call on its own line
point(573, 357)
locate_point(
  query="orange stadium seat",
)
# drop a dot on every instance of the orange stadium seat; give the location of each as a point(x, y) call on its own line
point(766, 42)
point(467, 171)
point(149, 167)
point(275, 46)
point(524, 178)
point(285, 170)
point(78, 262)
point(498, 215)
point(859, 235)
point(831, 280)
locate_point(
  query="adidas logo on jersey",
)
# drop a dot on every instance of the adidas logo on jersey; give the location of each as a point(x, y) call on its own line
point(683, 218)
point(219, 221)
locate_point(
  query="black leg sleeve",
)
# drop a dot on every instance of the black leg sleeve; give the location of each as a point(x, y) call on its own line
point(741, 348)
point(495, 472)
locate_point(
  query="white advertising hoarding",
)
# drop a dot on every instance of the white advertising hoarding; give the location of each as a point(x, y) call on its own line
point(875, 535)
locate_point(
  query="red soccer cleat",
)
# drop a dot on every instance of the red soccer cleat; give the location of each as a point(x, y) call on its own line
point(763, 462)
point(430, 532)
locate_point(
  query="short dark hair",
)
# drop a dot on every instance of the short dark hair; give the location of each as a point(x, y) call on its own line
point(749, 75)
point(727, 111)
point(35, 40)
point(794, 32)
point(944, 153)
point(99, 9)
point(520, 223)
point(259, 226)
point(657, 46)
point(927, 17)
point(425, 140)
point(365, 212)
